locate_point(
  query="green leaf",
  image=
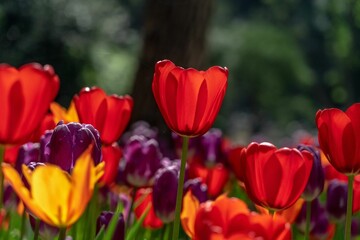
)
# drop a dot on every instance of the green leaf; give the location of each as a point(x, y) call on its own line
point(137, 226)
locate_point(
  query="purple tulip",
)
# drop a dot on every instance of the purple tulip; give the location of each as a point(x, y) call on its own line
point(355, 227)
point(104, 220)
point(69, 141)
point(319, 222)
point(210, 147)
point(165, 191)
point(141, 128)
point(44, 150)
point(336, 200)
point(29, 152)
point(315, 184)
point(197, 188)
point(142, 158)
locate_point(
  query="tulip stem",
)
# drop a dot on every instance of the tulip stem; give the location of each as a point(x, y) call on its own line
point(349, 207)
point(62, 233)
point(308, 218)
point(180, 188)
point(37, 227)
point(2, 156)
point(133, 195)
point(23, 222)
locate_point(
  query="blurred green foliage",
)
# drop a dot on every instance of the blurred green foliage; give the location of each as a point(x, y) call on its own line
point(88, 42)
point(286, 58)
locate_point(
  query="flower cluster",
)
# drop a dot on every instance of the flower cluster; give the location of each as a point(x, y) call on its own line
point(85, 173)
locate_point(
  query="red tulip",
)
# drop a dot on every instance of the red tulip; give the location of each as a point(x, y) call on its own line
point(275, 178)
point(111, 156)
point(108, 114)
point(234, 161)
point(339, 137)
point(214, 177)
point(144, 197)
point(189, 100)
point(25, 96)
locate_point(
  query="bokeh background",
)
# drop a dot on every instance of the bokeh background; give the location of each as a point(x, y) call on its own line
point(286, 59)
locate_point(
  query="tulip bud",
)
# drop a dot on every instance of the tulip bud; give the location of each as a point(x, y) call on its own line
point(44, 149)
point(336, 200)
point(69, 141)
point(210, 147)
point(141, 161)
point(315, 184)
point(164, 193)
point(29, 152)
point(197, 188)
point(104, 220)
point(140, 128)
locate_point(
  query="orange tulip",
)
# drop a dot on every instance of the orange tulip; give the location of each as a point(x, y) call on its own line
point(229, 219)
point(339, 137)
point(108, 114)
point(25, 96)
point(53, 195)
point(274, 178)
point(189, 100)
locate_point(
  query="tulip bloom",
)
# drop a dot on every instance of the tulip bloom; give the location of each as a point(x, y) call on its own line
point(274, 178)
point(111, 155)
point(145, 199)
point(229, 219)
point(142, 158)
point(214, 177)
point(316, 181)
point(53, 195)
point(339, 137)
point(61, 114)
point(68, 142)
point(164, 193)
point(25, 96)
point(108, 114)
point(189, 100)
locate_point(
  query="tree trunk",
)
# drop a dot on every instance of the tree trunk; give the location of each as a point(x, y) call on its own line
point(174, 30)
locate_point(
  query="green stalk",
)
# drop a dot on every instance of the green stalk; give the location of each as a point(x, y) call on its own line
point(128, 219)
point(2, 155)
point(308, 218)
point(62, 233)
point(349, 207)
point(180, 188)
point(37, 227)
point(23, 224)
point(167, 233)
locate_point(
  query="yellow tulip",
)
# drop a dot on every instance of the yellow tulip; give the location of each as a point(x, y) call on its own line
point(54, 196)
point(60, 113)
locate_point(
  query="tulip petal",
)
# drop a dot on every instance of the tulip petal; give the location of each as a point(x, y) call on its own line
point(337, 139)
point(188, 214)
point(13, 177)
point(83, 182)
point(45, 183)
